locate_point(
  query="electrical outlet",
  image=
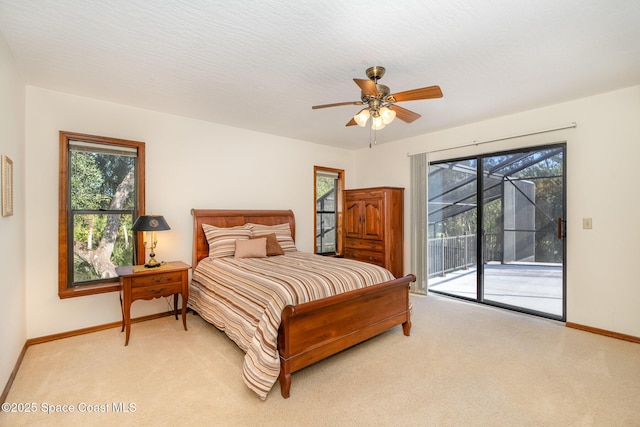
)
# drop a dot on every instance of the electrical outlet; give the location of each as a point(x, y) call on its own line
point(587, 223)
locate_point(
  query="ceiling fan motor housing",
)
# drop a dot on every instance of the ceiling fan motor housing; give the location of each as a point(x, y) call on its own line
point(375, 73)
point(383, 92)
point(375, 102)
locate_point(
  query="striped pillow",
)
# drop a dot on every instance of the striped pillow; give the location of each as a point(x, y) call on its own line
point(222, 241)
point(282, 231)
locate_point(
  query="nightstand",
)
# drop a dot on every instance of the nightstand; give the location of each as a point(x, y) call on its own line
point(138, 282)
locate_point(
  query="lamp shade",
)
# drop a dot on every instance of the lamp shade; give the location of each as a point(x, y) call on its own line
point(377, 123)
point(150, 223)
point(362, 117)
point(387, 115)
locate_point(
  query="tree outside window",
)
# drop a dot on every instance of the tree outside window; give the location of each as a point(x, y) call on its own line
point(101, 194)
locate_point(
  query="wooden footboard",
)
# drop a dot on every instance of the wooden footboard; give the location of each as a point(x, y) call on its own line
point(316, 330)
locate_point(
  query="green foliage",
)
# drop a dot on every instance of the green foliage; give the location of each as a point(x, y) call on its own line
point(95, 178)
point(123, 246)
point(83, 271)
point(86, 182)
point(324, 185)
point(459, 225)
point(114, 169)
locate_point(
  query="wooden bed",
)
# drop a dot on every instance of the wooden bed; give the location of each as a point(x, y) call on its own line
point(315, 330)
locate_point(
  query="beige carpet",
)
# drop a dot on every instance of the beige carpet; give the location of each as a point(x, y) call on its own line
point(464, 365)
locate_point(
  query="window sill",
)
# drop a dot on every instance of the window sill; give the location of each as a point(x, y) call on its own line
point(81, 291)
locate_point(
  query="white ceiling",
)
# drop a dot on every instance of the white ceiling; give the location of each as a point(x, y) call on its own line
point(261, 65)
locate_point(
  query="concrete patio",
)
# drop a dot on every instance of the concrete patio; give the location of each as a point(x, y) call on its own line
point(536, 287)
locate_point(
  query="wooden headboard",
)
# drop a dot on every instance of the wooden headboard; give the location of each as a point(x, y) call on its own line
point(232, 218)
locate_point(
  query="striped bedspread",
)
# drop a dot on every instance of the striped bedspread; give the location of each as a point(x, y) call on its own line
point(245, 297)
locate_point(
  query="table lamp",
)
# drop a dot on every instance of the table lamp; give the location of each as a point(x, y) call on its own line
point(149, 224)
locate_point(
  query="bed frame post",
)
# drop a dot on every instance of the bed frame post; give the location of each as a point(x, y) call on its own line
point(285, 363)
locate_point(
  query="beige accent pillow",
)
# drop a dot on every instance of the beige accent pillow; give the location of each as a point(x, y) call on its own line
point(222, 241)
point(282, 232)
point(273, 247)
point(254, 248)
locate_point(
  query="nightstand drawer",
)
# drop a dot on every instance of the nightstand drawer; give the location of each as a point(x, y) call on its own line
point(156, 290)
point(156, 280)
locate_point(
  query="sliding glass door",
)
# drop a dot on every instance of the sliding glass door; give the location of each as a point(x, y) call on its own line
point(452, 228)
point(496, 229)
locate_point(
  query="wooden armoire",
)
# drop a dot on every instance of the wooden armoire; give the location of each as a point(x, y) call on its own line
point(373, 227)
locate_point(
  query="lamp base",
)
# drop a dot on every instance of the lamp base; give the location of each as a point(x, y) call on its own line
point(152, 265)
point(152, 262)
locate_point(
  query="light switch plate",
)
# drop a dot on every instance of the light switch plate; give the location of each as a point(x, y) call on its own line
point(587, 223)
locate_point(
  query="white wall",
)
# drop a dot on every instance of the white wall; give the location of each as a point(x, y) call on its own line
point(603, 157)
point(198, 164)
point(189, 164)
point(13, 332)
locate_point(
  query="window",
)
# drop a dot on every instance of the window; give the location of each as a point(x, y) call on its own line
point(101, 193)
point(328, 207)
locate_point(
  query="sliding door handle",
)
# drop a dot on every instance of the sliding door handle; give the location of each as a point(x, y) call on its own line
point(560, 228)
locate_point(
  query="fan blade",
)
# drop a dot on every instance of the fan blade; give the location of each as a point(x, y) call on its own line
point(315, 107)
point(351, 122)
point(415, 94)
point(404, 114)
point(368, 87)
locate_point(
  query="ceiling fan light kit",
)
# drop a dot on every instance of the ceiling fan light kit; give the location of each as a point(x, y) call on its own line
point(362, 117)
point(377, 123)
point(381, 103)
point(387, 114)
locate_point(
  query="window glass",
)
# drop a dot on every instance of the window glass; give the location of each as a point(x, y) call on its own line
point(327, 194)
point(101, 189)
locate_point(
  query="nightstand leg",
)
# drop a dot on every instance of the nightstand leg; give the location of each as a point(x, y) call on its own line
point(127, 322)
point(121, 312)
point(175, 305)
point(184, 312)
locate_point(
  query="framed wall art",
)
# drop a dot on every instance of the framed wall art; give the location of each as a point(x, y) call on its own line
point(7, 186)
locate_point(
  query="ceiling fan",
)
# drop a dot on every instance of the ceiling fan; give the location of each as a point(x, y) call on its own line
point(381, 105)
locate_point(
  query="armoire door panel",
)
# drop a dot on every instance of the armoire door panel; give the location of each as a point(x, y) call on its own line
point(373, 219)
point(353, 220)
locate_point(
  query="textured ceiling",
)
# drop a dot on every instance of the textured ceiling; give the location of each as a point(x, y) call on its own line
point(261, 65)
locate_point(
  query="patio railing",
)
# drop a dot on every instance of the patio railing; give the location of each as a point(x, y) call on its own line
point(447, 254)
